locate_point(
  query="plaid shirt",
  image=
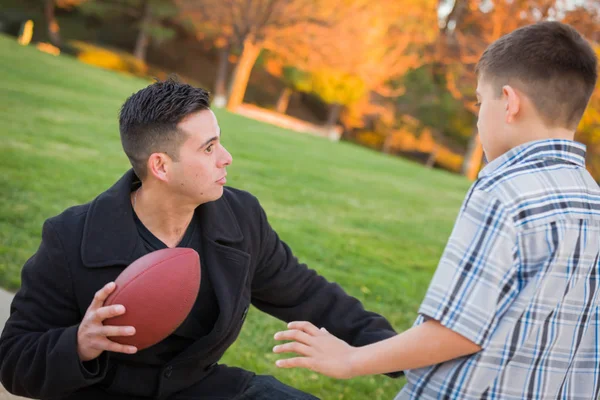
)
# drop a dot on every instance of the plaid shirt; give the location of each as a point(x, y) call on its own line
point(520, 278)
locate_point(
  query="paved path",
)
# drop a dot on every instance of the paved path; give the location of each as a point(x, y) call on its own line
point(5, 299)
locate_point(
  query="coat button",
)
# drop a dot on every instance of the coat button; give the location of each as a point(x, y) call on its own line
point(168, 372)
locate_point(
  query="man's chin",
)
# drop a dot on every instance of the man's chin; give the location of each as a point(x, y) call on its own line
point(214, 196)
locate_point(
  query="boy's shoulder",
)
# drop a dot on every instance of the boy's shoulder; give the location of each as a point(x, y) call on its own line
point(540, 191)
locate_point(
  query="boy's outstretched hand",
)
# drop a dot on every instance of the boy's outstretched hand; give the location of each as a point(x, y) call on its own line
point(322, 352)
point(426, 344)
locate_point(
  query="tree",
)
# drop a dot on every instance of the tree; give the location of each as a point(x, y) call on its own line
point(294, 80)
point(149, 15)
point(589, 128)
point(50, 17)
point(336, 89)
point(467, 30)
point(379, 44)
point(287, 26)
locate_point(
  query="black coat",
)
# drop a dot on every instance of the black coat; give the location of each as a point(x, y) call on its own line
point(89, 245)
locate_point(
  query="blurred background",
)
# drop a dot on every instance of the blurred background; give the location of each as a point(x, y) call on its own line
point(353, 121)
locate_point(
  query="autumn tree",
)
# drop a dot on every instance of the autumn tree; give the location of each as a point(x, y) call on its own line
point(380, 43)
point(588, 130)
point(468, 29)
point(287, 26)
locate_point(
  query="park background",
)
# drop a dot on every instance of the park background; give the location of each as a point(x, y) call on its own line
point(353, 121)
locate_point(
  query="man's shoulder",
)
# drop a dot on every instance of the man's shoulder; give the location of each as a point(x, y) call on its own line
point(238, 198)
point(70, 220)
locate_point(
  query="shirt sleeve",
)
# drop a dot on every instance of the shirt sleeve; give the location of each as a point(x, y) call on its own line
point(476, 279)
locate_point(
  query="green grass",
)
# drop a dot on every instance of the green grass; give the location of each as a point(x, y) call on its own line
point(375, 224)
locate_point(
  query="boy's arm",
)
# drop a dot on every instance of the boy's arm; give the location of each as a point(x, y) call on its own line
point(426, 344)
point(287, 289)
point(475, 283)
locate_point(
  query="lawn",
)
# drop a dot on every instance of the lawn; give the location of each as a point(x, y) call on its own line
point(375, 224)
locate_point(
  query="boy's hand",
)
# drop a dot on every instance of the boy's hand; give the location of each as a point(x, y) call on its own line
point(323, 352)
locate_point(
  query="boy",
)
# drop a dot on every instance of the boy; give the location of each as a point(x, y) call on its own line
point(512, 311)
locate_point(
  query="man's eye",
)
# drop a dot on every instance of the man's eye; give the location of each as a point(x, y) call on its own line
point(209, 149)
point(478, 104)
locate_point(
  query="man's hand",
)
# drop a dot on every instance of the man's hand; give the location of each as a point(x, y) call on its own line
point(323, 352)
point(92, 336)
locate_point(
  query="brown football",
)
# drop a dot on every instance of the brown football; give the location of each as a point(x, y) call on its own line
point(158, 291)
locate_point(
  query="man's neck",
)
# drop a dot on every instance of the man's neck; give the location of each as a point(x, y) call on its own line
point(166, 216)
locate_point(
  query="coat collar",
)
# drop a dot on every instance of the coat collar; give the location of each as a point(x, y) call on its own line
point(110, 236)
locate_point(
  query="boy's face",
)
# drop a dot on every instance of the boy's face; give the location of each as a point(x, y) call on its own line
point(491, 123)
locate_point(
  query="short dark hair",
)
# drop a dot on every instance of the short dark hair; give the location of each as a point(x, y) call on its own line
point(148, 120)
point(551, 63)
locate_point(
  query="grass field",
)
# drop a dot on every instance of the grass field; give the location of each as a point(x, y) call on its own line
point(375, 224)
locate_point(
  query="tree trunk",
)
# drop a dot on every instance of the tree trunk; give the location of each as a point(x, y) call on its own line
point(52, 23)
point(143, 38)
point(473, 157)
point(333, 115)
point(432, 156)
point(220, 98)
point(284, 100)
point(332, 118)
point(242, 71)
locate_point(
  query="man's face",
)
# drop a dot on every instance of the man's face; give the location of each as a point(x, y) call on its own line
point(491, 122)
point(199, 174)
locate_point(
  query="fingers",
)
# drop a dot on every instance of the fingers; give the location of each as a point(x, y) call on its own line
point(117, 331)
point(304, 326)
point(101, 295)
point(108, 312)
point(293, 347)
point(109, 345)
point(294, 334)
point(296, 362)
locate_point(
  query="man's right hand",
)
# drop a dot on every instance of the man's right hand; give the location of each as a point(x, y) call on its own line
point(93, 335)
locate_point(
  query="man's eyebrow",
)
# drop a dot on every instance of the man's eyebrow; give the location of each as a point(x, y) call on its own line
point(212, 139)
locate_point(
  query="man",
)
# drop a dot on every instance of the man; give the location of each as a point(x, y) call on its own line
point(55, 345)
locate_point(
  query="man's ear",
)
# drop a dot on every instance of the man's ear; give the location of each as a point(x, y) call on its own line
point(158, 166)
point(512, 103)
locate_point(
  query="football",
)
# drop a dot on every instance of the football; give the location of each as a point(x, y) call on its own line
point(158, 291)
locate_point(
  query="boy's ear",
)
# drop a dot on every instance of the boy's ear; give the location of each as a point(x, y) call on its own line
point(512, 103)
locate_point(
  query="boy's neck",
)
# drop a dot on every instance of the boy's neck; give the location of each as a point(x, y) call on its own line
point(538, 131)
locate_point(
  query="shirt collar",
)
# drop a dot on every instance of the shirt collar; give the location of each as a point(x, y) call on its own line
point(569, 151)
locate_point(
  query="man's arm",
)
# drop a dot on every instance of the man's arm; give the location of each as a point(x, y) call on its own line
point(38, 347)
point(290, 291)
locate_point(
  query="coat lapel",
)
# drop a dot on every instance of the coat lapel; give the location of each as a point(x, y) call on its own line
point(227, 268)
point(110, 236)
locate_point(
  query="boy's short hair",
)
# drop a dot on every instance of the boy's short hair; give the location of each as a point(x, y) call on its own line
point(148, 120)
point(551, 63)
